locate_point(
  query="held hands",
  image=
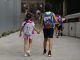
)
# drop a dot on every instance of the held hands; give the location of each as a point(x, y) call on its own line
point(38, 32)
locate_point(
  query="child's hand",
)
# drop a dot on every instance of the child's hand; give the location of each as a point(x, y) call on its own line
point(38, 32)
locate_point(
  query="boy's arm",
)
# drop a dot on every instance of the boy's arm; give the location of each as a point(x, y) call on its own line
point(55, 18)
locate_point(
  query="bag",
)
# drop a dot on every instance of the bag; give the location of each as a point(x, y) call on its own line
point(48, 20)
point(28, 28)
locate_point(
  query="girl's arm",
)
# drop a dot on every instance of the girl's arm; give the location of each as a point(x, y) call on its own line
point(36, 30)
point(21, 29)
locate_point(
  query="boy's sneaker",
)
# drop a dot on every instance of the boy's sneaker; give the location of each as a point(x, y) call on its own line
point(28, 53)
point(44, 52)
point(49, 53)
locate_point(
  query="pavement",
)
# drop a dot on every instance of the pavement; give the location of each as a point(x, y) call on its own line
point(64, 48)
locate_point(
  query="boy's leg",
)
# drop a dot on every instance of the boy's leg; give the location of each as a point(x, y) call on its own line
point(50, 40)
point(45, 45)
point(45, 40)
point(50, 43)
point(50, 46)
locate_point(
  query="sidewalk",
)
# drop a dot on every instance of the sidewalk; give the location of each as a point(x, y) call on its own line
point(65, 48)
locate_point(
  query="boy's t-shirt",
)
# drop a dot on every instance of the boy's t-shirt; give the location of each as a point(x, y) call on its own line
point(28, 27)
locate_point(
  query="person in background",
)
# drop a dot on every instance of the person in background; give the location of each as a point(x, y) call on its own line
point(59, 27)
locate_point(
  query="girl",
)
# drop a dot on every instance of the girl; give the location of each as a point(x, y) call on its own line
point(28, 27)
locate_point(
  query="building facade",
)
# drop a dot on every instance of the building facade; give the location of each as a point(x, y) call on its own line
point(71, 11)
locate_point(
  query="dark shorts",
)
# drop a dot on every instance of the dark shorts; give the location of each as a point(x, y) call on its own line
point(48, 33)
point(57, 25)
point(60, 27)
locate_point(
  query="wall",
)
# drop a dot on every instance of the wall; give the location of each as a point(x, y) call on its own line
point(72, 25)
point(9, 15)
point(78, 29)
point(65, 31)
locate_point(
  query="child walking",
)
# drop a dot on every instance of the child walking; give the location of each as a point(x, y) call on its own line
point(28, 28)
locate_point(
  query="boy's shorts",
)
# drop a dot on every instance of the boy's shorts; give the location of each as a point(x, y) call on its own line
point(27, 37)
point(48, 33)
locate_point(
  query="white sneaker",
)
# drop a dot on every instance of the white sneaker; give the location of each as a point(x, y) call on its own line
point(25, 55)
point(28, 52)
point(49, 55)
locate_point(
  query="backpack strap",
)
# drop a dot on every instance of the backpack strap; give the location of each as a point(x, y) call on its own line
point(24, 24)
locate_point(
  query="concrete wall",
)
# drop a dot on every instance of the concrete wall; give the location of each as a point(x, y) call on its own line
point(66, 30)
point(78, 29)
point(72, 28)
point(9, 15)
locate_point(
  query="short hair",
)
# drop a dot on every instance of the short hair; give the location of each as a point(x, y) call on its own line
point(48, 6)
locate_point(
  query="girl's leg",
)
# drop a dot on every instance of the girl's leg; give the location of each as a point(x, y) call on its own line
point(30, 44)
point(25, 45)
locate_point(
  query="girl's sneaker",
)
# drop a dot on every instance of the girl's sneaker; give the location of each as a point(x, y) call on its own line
point(25, 55)
point(28, 53)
